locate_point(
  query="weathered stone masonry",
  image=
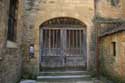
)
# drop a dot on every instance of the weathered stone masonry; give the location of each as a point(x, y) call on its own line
point(37, 12)
point(112, 51)
point(14, 56)
point(46, 10)
point(10, 53)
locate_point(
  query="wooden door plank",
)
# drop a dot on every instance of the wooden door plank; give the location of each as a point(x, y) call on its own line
point(53, 38)
point(76, 39)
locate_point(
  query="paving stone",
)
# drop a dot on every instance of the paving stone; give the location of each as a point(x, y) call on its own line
point(28, 81)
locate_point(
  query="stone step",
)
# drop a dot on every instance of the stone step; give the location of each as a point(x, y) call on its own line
point(63, 77)
point(61, 69)
point(63, 73)
point(66, 81)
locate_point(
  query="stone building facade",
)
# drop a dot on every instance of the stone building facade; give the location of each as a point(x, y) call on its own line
point(10, 53)
point(110, 9)
point(110, 25)
point(71, 9)
point(90, 12)
point(112, 53)
point(39, 16)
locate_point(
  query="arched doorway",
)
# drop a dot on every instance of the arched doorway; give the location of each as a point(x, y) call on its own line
point(63, 44)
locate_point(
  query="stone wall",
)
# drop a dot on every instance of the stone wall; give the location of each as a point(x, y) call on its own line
point(3, 28)
point(10, 53)
point(12, 63)
point(110, 9)
point(112, 61)
point(30, 11)
point(39, 11)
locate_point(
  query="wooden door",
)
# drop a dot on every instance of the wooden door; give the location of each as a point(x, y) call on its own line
point(63, 47)
point(51, 51)
point(75, 51)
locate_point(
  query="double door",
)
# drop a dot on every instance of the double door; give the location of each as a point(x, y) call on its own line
point(63, 47)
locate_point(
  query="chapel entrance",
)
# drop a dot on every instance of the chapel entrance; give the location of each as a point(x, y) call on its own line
point(63, 44)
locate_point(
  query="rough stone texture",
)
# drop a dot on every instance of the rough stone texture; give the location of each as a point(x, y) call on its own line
point(3, 25)
point(30, 11)
point(11, 66)
point(10, 63)
point(105, 9)
point(28, 36)
point(113, 65)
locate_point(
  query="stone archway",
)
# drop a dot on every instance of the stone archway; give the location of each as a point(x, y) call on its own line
point(63, 43)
